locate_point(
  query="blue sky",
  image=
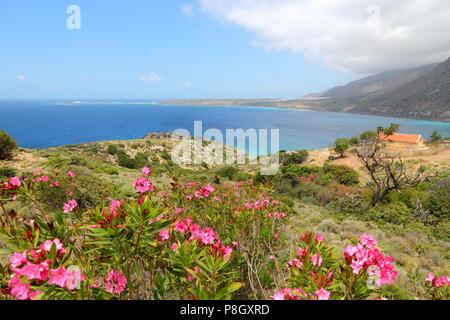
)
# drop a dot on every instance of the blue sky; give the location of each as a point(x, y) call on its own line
point(144, 49)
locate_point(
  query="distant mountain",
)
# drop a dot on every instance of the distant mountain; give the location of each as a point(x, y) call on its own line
point(422, 93)
point(418, 93)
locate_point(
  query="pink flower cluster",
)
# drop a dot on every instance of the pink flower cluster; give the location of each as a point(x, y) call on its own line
point(204, 236)
point(115, 282)
point(203, 192)
point(142, 185)
point(33, 267)
point(257, 205)
point(277, 215)
point(298, 294)
point(41, 179)
point(366, 254)
point(438, 282)
point(13, 184)
point(70, 206)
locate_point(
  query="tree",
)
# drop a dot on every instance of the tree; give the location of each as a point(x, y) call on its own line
point(7, 146)
point(341, 146)
point(435, 137)
point(298, 157)
point(387, 173)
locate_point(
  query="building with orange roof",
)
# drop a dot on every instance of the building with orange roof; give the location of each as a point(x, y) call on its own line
point(403, 140)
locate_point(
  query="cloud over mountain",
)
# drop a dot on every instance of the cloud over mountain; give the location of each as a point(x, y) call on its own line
point(361, 37)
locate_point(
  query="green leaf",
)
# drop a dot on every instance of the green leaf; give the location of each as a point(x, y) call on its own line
point(235, 286)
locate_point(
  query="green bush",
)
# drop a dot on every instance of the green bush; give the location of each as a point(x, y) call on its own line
point(325, 179)
point(300, 170)
point(342, 174)
point(298, 157)
point(439, 201)
point(228, 172)
point(112, 149)
point(341, 146)
point(395, 213)
point(7, 146)
point(7, 172)
point(77, 161)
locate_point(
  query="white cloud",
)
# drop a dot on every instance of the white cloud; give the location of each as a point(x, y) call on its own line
point(22, 78)
point(363, 36)
point(187, 10)
point(150, 78)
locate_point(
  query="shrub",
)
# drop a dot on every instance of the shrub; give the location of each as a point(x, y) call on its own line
point(395, 213)
point(112, 149)
point(77, 161)
point(298, 157)
point(228, 172)
point(435, 138)
point(139, 161)
point(343, 174)
point(300, 170)
point(7, 146)
point(341, 146)
point(7, 172)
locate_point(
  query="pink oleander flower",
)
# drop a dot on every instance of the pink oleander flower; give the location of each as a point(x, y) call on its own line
point(294, 263)
point(20, 290)
point(74, 278)
point(17, 260)
point(323, 294)
point(430, 277)
point(56, 184)
point(47, 246)
point(182, 226)
point(317, 260)
point(319, 238)
point(58, 277)
point(114, 208)
point(115, 282)
point(289, 294)
point(69, 193)
point(70, 206)
point(15, 182)
point(368, 241)
point(207, 236)
point(272, 258)
point(226, 252)
point(441, 282)
point(35, 271)
point(438, 282)
point(198, 194)
point(302, 252)
point(174, 247)
point(164, 235)
point(142, 185)
point(366, 254)
point(70, 174)
point(146, 172)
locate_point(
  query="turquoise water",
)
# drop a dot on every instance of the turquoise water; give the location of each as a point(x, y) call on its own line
point(42, 124)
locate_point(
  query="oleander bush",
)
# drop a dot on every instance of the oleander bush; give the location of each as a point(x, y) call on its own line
point(190, 240)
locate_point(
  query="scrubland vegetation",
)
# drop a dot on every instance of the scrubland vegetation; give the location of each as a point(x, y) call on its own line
point(118, 220)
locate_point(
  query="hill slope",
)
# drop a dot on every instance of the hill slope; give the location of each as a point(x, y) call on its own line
point(422, 93)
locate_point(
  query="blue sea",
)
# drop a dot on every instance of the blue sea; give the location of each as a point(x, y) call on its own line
point(42, 124)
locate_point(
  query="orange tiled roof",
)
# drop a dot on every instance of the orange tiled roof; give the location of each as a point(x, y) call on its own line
point(401, 137)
